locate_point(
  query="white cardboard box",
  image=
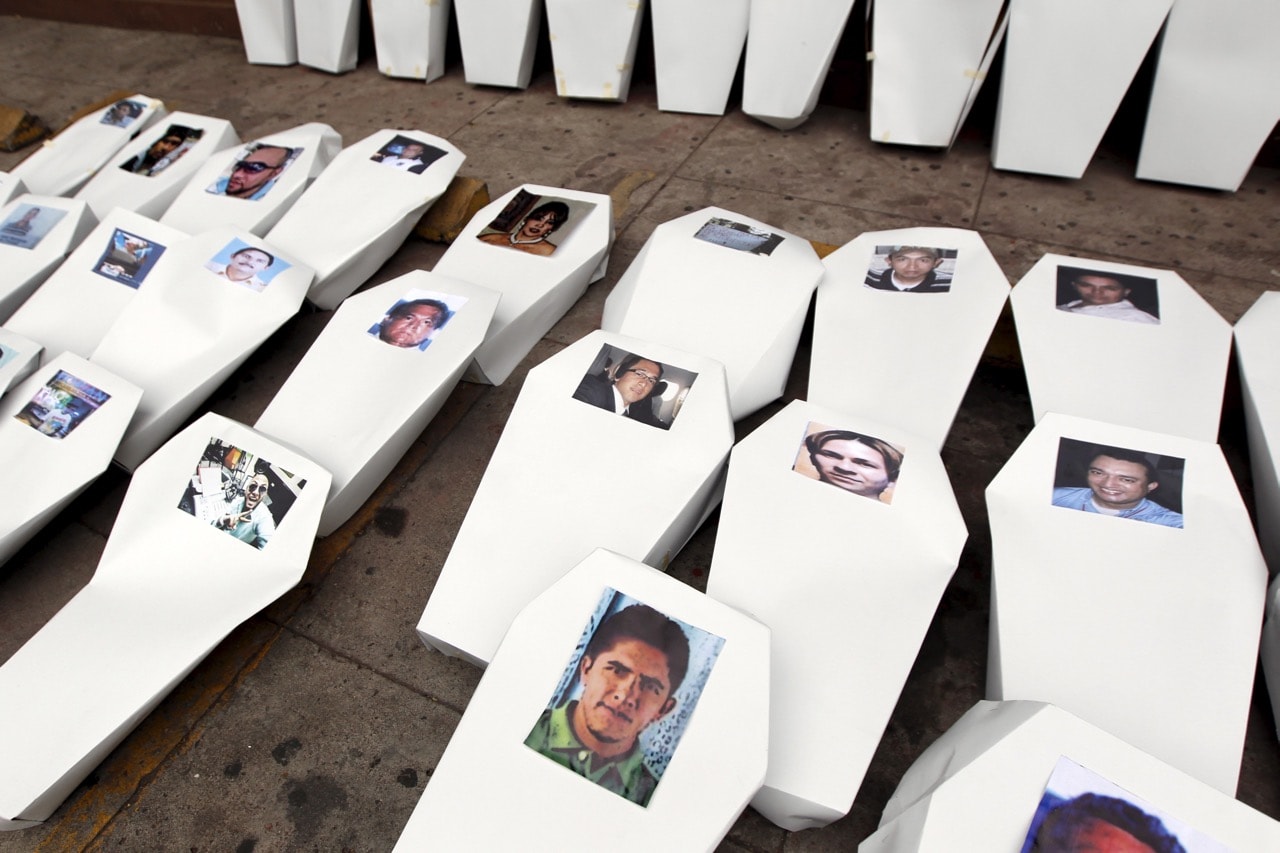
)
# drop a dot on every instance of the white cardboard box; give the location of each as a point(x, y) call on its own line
point(977, 787)
point(36, 234)
point(270, 34)
point(409, 37)
point(558, 486)
point(499, 40)
point(856, 602)
point(1213, 74)
point(1257, 339)
point(186, 331)
point(368, 386)
point(358, 212)
point(1146, 630)
point(537, 289)
point(788, 55)
point(169, 587)
point(696, 51)
point(57, 434)
point(723, 728)
point(223, 192)
point(62, 164)
point(148, 173)
point(328, 34)
point(1113, 361)
point(593, 46)
point(724, 285)
point(1054, 106)
point(928, 340)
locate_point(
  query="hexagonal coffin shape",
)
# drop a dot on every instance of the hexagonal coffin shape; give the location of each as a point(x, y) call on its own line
point(593, 46)
point(861, 611)
point(1103, 340)
point(1127, 588)
point(789, 53)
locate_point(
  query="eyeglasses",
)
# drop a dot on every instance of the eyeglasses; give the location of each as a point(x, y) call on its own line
point(253, 167)
point(255, 487)
point(646, 378)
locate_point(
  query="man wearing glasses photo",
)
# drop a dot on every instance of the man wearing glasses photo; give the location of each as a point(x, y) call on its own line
point(253, 176)
point(626, 389)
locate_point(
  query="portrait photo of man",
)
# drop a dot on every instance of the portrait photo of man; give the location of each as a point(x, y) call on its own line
point(1119, 482)
point(857, 463)
point(534, 224)
point(414, 319)
point(636, 671)
point(28, 224)
point(176, 141)
point(635, 387)
point(912, 269)
point(1116, 296)
point(250, 267)
point(122, 113)
point(407, 155)
point(253, 172)
point(239, 493)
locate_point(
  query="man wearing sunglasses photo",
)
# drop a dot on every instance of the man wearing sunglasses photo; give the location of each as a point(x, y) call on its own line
point(248, 518)
point(253, 176)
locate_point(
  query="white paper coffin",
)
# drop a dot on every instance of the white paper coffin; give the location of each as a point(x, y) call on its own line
point(190, 327)
point(1110, 362)
point(19, 356)
point(204, 203)
point(499, 40)
point(152, 190)
point(564, 480)
point(269, 32)
point(169, 587)
point(55, 450)
point(696, 49)
point(921, 90)
point(96, 282)
point(860, 611)
point(62, 164)
point(36, 233)
point(1270, 646)
point(328, 34)
point(536, 290)
point(788, 55)
point(708, 293)
point(1146, 630)
point(977, 787)
point(727, 729)
point(593, 46)
point(1257, 338)
point(930, 340)
point(358, 212)
point(1054, 107)
point(356, 403)
point(409, 37)
point(1214, 73)
point(10, 187)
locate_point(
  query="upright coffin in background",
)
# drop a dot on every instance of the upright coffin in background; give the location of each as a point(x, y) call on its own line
point(58, 432)
point(569, 475)
point(1213, 104)
point(19, 356)
point(860, 610)
point(926, 339)
point(1102, 340)
point(978, 787)
point(253, 185)
point(788, 55)
point(328, 34)
point(193, 324)
point(409, 37)
point(147, 175)
point(1054, 107)
point(696, 50)
point(381, 186)
point(374, 379)
point(62, 164)
point(539, 247)
point(1127, 588)
point(499, 40)
point(724, 285)
point(36, 234)
point(719, 719)
point(593, 46)
point(196, 549)
point(95, 283)
point(269, 32)
point(922, 89)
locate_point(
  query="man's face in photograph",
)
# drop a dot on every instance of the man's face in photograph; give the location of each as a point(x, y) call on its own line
point(1099, 290)
point(624, 689)
point(250, 174)
point(637, 381)
point(912, 265)
point(1117, 483)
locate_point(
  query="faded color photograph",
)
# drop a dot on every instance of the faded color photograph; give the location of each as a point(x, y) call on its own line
point(857, 463)
point(28, 225)
point(62, 405)
point(240, 493)
point(128, 258)
point(122, 113)
point(535, 224)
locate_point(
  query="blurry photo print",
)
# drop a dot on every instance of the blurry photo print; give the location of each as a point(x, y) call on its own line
point(122, 113)
point(407, 154)
point(170, 147)
point(61, 405)
point(1112, 295)
point(738, 235)
point(28, 224)
point(241, 494)
point(128, 258)
point(912, 269)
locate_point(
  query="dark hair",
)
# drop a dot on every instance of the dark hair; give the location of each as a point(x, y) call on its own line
point(1058, 829)
point(641, 622)
point(892, 457)
point(936, 254)
point(559, 208)
point(403, 309)
point(271, 259)
point(1124, 455)
point(630, 361)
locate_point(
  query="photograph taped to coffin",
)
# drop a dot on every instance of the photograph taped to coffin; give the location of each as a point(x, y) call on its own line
point(239, 493)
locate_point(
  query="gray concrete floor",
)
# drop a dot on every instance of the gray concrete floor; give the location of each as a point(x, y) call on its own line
point(316, 724)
